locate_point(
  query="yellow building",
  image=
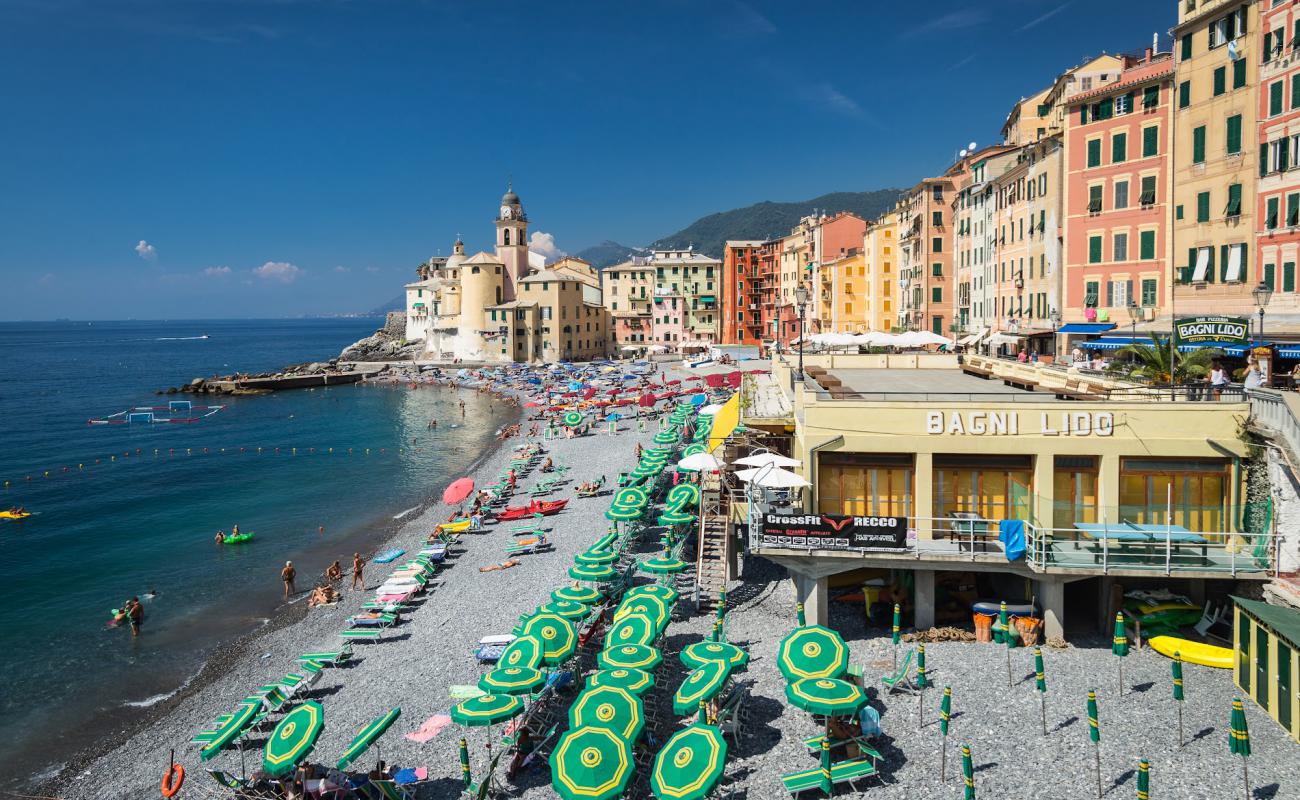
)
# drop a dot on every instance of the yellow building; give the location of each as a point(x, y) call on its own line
point(846, 280)
point(880, 259)
point(554, 317)
point(1215, 164)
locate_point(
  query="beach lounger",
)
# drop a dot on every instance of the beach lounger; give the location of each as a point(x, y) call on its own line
point(226, 780)
point(843, 772)
point(328, 658)
point(373, 620)
point(529, 548)
point(901, 681)
point(815, 744)
point(362, 635)
point(489, 648)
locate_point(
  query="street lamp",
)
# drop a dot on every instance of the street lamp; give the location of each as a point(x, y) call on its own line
point(1134, 314)
point(801, 297)
point(1055, 318)
point(1262, 294)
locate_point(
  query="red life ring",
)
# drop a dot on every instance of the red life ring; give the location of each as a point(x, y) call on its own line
point(173, 780)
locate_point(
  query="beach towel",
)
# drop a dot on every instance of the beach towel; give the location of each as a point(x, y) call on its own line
point(1011, 532)
point(432, 727)
point(408, 775)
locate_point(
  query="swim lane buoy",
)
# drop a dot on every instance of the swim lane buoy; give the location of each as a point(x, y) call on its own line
point(172, 780)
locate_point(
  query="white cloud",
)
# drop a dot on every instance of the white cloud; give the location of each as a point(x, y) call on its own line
point(146, 251)
point(47, 279)
point(947, 23)
point(833, 99)
point(281, 271)
point(372, 269)
point(1034, 23)
point(543, 244)
point(216, 272)
point(341, 268)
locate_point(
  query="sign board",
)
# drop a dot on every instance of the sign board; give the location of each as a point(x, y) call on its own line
point(1202, 330)
point(833, 532)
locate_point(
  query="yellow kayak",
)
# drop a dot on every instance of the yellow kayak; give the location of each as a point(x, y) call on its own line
point(15, 514)
point(1207, 655)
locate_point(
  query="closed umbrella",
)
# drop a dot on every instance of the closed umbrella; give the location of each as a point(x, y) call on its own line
point(1040, 684)
point(895, 632)
point(700, 653)
point(945, 717)
point(636, 681)
point(799, 615)
point(1007, 639)
point(591, 764)
point(921, 683)
point(1239, 740)
point(458, 491)
point(1094, 733)
point(368, 736)
point(1176, 665)
point(1119, 646)
point(690, 764)
point(608, 707)
point(293, 738)
point(701, 685)
point(1144, 780)
point(557, 635)
point(812, 652)
point(465, 777)
point(968, 771)
point(629, 656)
point(511, 680)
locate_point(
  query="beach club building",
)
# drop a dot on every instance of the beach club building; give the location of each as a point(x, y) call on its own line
point(958, 486)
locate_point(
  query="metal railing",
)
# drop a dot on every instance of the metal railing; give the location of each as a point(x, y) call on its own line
point(1272, 415)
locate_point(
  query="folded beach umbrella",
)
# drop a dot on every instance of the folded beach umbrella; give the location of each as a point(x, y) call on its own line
point(293, 738)
point(230, 729)
point(511, 680)
point(968, 772)
point(465, 777)
point(576, 594)
point(1144, 780)
point(945, 717)
point(635, 628)
point(1119, 646)
point(567, 609)
point(701, 653)
point(596, 573)
point(591, 764)
point(524, 651)
point(629, 656)
point(690, 764)
point(812, 652)
point(636, 681)
point(703, 684)
point(609, 707)
point(1040, 684)
point(486, 709)
point(1094, 733)
point(1239, 739)
point(368, 736)
point(557, 635)
point(1176, 667)
point(826, 696)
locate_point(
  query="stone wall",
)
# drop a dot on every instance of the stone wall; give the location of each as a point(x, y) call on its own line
point(395, 324)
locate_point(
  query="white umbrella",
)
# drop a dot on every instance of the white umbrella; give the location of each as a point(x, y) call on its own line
point(701, 462)
point(710, 410)
point(772, 478)
point(657, 348)
point(763, 459)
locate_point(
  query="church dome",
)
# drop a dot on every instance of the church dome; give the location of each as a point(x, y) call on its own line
point(510, 198)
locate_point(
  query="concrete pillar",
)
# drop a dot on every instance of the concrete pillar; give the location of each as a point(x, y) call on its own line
point(1044, 511)
point(923, 600)
point(812, 592)
point(1108, 489)
point(923, 497)
point(1051, 596)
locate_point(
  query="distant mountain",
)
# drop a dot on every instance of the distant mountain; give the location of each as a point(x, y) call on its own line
point(766, 220)
point(396, 304)
point(607, 253)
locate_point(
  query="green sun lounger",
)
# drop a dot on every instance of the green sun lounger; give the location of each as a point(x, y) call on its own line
point(387, 790)
point(843, 772)
point(815, 744)
point(900, 681)
point(226, 779)
point(361, 635)
point(379, 621)
point(328, 658)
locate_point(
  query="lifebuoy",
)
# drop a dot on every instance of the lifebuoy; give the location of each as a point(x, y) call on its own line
point(173, 780)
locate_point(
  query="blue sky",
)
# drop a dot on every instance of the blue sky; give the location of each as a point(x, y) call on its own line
point(232, 158)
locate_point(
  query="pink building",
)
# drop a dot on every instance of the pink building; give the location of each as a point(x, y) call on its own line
point(1117, 184)
point(1277, 211)
point(666, 321)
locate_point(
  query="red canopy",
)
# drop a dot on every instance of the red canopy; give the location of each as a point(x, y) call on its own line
point(458, 491)
point(647, 401)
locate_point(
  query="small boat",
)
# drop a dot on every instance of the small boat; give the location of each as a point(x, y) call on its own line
point(1206, 655)
point(239, 538)
point(11, 514)
point(545, 508)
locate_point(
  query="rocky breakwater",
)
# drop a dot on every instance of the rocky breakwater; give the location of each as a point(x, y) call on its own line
point(386, 344)
point(299, 376)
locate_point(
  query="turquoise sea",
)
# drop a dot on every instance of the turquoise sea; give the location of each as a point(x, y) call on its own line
point(121, 510)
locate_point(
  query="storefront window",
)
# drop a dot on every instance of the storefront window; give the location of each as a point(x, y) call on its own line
point(1074, 491)
point(1192, 493)
point(865, 485)
point(994, 487)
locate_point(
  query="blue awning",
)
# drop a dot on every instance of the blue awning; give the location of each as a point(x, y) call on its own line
point(1113, 342)
point(1289, 351)
point(1230, 348)
point(1086, 327)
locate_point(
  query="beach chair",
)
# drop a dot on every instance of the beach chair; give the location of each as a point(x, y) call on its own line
point(730, 713)
point(489, 648)
point(361, 635)
point(384, 790)
point(210, 733)
point(295, 683)
point(329, 658)
point(867, 751)
point(843, 772)
point(901, 681)
point(273, 700)
point(543, 487)
point(226, 780)
point(1211, 616)
point(529, 547)
point(373, 620)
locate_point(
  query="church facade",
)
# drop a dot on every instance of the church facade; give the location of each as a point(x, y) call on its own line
point(507, 305)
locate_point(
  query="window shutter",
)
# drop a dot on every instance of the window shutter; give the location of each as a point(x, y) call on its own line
point(1270, 216)
point(1268, 47)
point(1288, 277)
point(1151, 96)
point(1118, 148)
point(1263, 159)
point(1147, 245)
point(1094, 250)
point(1220, 81)
point(1198, 145)
point(1234, 134)
point(1268, 275)
point(1209, 271)
point(1203, 207)
point(1150, 141)
point(1283, 154)
point(1110, 294)
point(1239, 73)
point(1275, 98)
point(1293, 210)
point(1083, 114)
point(1295, 91)
point(1223, 263)
point(1187, 46)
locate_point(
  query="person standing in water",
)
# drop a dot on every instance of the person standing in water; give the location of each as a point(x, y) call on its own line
point(287, 575)
point(358, 564)
point(134, 614)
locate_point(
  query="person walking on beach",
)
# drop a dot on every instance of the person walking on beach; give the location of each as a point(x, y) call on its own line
point(287, 575)
point(357, 565)
point(462, 409)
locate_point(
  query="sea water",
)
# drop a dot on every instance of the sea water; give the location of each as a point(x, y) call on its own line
point(122, 510)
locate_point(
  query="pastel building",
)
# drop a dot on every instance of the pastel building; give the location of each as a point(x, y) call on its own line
point(628, 293)
point(695, 279)
point(1277, 207)
point(835, 237)
point(880, 258)
point(741, 316)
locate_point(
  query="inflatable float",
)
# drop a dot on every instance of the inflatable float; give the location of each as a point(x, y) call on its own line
point(1206, 655)
point(239, 538)
point(1015, 608)
point(389, 555)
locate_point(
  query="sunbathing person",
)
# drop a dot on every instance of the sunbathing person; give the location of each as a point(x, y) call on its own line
point(335, 573)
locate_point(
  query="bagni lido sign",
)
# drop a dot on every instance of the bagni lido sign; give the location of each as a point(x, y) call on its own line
point(1009, 423)
point(1199, 330)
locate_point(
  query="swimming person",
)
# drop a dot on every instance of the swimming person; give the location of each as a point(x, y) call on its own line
point(235, 531)
point(220, 538)
point(357, 565)
point(287, 575)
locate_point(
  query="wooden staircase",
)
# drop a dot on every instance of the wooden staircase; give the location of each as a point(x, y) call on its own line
point(713, 545)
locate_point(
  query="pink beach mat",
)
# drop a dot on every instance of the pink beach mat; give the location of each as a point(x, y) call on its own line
point(432, 727)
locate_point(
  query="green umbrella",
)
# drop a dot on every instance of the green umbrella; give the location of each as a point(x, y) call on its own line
point(636, 681)
point(629, 656)
point(1119, 646)
point(653, 606)
point(895, 633)
point(664, 437)
point(231, 728)
point(524, 651)
point(293, 738)
point(632, 629)
point(567, 609)
point(663, 565)
point(665, 593)
point(921, 684)
point(596, 557)
point(812, 652)
point(1007, 638)
point(557, 635)
point(700, 653)
point(670, 518)
point(608, 707)
point(367, 737)
point(597, 573)
point(576, 594)
point(968, 771)
point(690, 764)
point(945, 716)
point(1094, 733)
point(511, 680)
point(1040, 683)
point(702, 684)
point(1239, 740)
point(573, 419)
point(827, 696)
point(486, 709)
point(465, 777)
point(1144, 780)
point(623, 513)
point(591, 764)
point(694, 449)
point(798, 615)
point(647, 470)
point(1177, 666)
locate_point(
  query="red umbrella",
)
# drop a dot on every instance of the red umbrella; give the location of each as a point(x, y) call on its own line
point(695, 378)
point(532, 404)
point(458, 491)
point(588, 393)
point(647, 401)
point(673, 382)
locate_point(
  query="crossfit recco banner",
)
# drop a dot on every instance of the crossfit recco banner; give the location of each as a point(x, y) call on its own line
point(833, 532)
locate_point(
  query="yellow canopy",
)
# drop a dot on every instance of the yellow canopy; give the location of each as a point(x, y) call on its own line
point(724, 422)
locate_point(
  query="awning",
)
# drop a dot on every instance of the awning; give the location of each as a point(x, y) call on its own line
point(973, 338)
point(1230, 348)
point(1086, 327)
point(1004, 338)
point(1113, 342)
point(1289, 351)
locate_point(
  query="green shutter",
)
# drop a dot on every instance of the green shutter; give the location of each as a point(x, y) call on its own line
point(1150, 141)
point(1083, 114)
point(1209, 271)
point(1275, 98)
point(1283, 154)
point(1149, 288)
point(1292, 210)
point(1094, 250)
point(1263, 159)
point(1198, 145)
point(1151, 97)
point(1147, 245)
point(1234, 201)
point(1220, 81)
point(1295, 92)
point(1239, 73)
point(1203, 207)
point(936, 294)
point(1268, 275)
point(1094, 153)
point(1270, 216)
point(1184, 94)
point(1178, 211)
point(1288, 276)
point(1187, 46)
point(1106, 108)
point(1234, 134)
point(1119, 148)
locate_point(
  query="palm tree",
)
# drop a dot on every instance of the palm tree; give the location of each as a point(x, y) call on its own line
point(1158, 363)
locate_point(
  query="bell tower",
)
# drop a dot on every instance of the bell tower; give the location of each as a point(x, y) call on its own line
point(512, 241)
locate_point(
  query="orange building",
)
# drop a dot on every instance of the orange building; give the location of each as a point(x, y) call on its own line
point(742, 320)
